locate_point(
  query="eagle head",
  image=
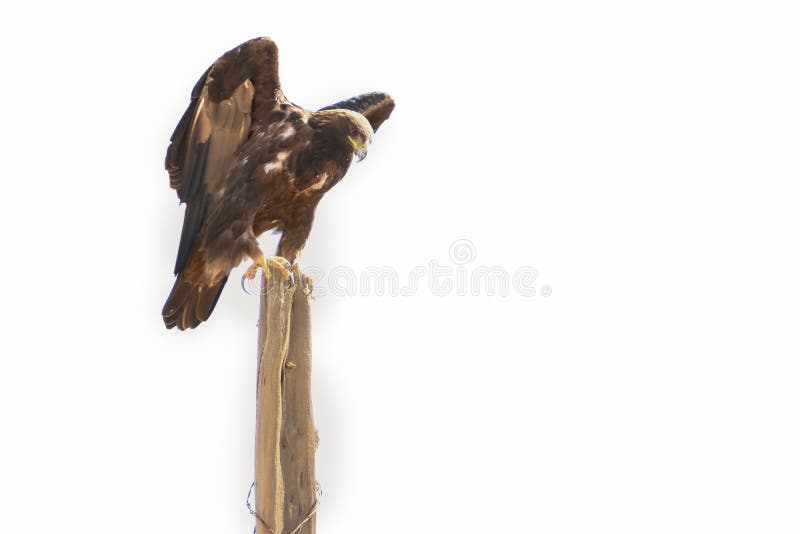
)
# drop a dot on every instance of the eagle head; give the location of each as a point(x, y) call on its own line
point(351, 128)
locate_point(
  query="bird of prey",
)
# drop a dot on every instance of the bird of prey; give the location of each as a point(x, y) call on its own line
point(245, 160)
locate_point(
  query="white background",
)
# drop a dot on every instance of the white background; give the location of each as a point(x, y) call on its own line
point(642, 156)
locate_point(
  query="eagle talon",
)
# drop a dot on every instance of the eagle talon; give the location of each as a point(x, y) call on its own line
point(282, 265)
point(251, 271)
point(250, 275)
point(244, 283)
point(285, 268)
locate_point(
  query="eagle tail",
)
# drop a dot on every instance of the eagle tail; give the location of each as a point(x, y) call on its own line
point(189, 304)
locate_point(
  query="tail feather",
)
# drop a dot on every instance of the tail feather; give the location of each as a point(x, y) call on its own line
point(189, 304)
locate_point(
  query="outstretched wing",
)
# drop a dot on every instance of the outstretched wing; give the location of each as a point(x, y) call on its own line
point(376, 107)
point(243, 82)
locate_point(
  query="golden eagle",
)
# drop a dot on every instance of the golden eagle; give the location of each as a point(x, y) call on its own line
point(245, 160)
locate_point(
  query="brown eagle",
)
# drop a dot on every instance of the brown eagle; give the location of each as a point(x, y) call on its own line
point(245, 160)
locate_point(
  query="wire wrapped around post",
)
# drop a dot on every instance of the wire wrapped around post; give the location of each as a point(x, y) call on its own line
point(286, 438)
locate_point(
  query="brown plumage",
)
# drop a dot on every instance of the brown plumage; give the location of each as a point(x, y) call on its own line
point(245, 160)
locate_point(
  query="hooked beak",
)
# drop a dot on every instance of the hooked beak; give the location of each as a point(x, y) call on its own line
point(360, 150)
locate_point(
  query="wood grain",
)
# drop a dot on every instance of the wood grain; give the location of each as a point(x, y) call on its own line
point(286, 438)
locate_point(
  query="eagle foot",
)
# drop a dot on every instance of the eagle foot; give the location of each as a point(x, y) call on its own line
point(281, 264)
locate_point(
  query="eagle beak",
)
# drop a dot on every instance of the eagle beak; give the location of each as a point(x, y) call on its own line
point(360, 149)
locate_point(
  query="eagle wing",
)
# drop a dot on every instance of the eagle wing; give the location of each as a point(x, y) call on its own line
point(376, 107)
point(242, 82)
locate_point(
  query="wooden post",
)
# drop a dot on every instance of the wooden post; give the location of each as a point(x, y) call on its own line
point(286, 439)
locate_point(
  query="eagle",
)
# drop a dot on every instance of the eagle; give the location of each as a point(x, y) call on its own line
point(245, 160)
